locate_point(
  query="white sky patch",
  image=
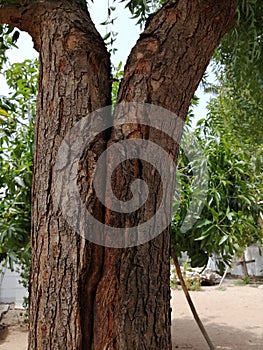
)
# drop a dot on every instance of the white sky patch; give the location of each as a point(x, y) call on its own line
point(24, 51)
point(128, 31)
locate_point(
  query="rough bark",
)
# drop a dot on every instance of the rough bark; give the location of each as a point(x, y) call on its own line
point(74, 80)
point(164, 68)
point(85, 296)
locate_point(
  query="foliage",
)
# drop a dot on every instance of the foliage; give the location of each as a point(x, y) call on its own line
point(229, 220)
point(8, 38)
point(244, 109)
point(117, 76)
point(192, 284)
point(16, 155)
point(241, 50)
point(111, 36)
point(243, 281)
point(141, 9)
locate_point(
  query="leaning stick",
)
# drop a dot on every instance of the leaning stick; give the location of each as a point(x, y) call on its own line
point(191, 304)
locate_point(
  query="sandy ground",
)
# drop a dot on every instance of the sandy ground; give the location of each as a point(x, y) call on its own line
point(232, 315)
point(14, 335)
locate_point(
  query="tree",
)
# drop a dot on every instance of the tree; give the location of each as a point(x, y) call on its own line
point(16, 158)
point(228, 222)
point(82, 295)
point(241, 75)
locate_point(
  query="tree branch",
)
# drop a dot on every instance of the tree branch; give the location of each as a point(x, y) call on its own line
point(23, 17)
point(180, 37)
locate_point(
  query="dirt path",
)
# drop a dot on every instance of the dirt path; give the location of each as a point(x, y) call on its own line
point(233, 317)
point(14, 335)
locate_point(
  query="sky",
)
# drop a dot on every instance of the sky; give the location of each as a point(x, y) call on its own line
point(128, 33)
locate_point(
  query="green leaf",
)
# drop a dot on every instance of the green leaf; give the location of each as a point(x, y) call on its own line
point(106, 36)
point(204, 234)
point(15, 36)
point(203, 222)
point(223, 239)
point(245, 199)
point(4, 113)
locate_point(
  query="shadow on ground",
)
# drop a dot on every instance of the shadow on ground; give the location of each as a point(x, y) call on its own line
point(186, 335)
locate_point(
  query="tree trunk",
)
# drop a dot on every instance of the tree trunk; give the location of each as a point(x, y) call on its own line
point(82, 295)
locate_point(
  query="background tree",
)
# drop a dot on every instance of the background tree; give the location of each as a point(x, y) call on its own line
point(228, 222)
point(85, 296)
point(16, 157)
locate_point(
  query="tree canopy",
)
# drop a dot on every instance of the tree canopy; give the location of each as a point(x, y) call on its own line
point(229, 221)
point(17, 111)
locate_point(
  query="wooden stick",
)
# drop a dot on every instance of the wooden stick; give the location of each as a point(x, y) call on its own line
point(191, 304)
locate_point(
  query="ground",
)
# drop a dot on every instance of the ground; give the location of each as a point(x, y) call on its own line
point(232, 315)
point(13, 330)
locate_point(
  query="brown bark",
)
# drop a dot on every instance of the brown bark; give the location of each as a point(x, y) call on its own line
point(74, 79)
point(164, 68)
point(85, 296)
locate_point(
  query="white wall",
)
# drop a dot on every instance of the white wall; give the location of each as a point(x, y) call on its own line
point(253, 268)
point(11, 291)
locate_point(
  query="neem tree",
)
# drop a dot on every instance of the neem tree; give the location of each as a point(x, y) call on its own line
point(83, 295)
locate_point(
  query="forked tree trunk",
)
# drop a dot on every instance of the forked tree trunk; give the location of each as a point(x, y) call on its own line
point(85, 296)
